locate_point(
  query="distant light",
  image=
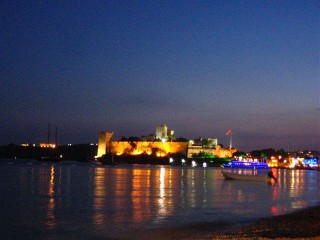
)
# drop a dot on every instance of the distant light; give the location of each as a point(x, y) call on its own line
point(194, 164)
point(171, 160)
point(311, 162)
point(183, 161)
point(204, 164)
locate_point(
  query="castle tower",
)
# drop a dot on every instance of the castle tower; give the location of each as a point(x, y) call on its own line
point(104, 143)
point(162, 132)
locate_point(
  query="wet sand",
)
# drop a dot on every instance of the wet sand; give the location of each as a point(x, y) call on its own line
point(303, 224)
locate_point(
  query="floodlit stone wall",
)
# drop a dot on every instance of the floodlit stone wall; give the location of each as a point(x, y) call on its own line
point(159, 148)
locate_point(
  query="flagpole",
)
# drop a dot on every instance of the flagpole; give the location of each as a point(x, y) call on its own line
point(229, 132)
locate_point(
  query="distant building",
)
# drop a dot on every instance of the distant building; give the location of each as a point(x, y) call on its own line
point(204, 142)
point(212, 142)
point(217, 151)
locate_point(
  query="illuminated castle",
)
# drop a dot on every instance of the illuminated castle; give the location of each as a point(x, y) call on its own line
point(161, 148)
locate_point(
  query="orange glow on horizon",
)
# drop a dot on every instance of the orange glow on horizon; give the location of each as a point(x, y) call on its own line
point(47, 145)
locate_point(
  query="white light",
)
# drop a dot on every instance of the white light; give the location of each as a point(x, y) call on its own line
point(204, 164)
point(183, 161)
point(194, 164)
point(171, 160)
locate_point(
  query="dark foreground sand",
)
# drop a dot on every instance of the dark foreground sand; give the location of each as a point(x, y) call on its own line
point(304, 224)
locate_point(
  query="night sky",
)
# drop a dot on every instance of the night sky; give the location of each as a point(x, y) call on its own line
point(201, 67)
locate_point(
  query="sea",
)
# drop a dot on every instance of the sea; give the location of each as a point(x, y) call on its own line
point(74, 200)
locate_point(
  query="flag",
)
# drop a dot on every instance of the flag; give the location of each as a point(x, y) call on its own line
point(229, 131)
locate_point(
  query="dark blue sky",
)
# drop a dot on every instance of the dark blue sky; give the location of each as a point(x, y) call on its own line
point(201, 67)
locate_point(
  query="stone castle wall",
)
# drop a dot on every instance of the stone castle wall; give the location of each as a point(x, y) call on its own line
point(145, 147)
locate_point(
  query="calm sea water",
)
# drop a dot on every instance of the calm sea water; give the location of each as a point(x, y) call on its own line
point(86, 201)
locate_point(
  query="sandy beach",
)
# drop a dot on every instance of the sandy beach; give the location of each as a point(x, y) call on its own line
point(303, 224)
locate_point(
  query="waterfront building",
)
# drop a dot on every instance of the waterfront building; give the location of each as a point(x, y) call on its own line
point(216, 151)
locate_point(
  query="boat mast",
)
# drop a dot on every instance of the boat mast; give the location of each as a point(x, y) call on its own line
point(49, 128)
point(56, 136)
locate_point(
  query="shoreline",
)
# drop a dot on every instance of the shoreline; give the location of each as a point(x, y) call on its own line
point(302, 224)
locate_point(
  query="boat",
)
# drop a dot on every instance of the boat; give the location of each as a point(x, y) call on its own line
point(244, 164)
point(247, 177)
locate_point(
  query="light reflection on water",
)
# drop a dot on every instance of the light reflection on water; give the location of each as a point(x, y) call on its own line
point(84, 200)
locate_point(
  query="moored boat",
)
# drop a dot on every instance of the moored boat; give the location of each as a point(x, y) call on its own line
point(247, 177)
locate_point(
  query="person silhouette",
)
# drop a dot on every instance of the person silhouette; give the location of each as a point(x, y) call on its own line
point(270, 175)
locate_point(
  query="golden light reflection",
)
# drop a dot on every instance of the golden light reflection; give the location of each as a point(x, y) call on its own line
point(141, 181)
point(98, 202)
point(297, 180)
point(161, 201)
point(51, 218)
point(52, 177)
